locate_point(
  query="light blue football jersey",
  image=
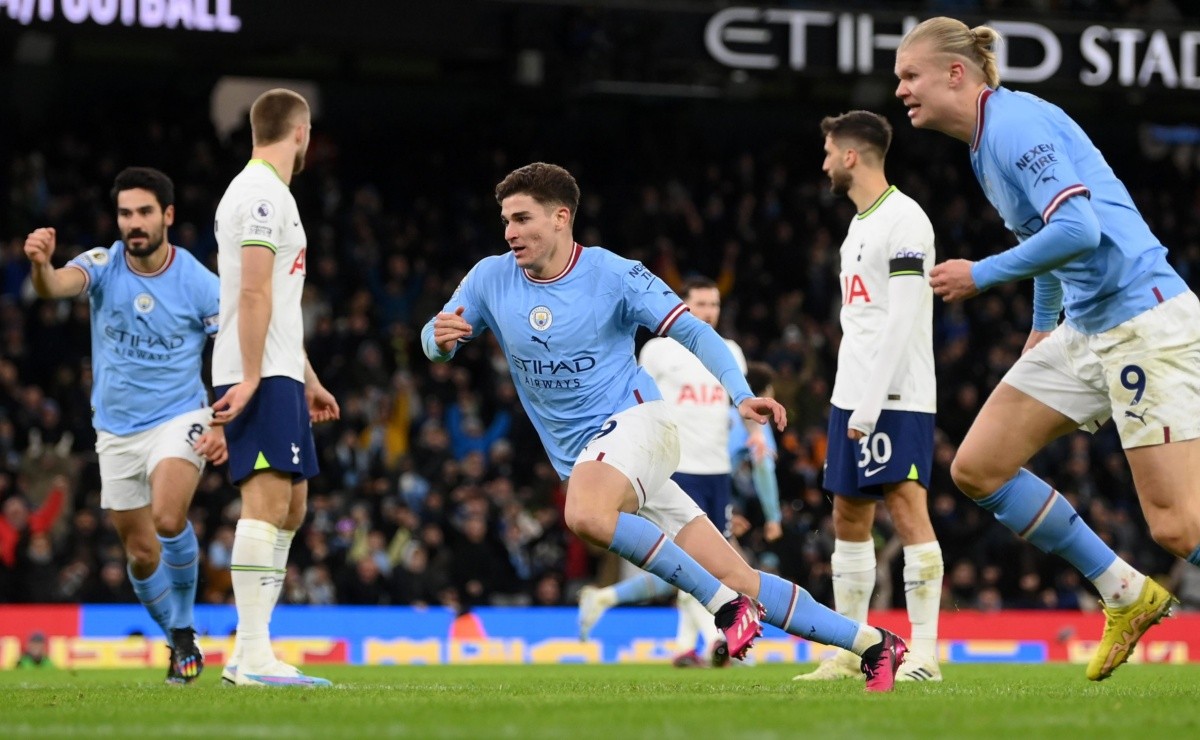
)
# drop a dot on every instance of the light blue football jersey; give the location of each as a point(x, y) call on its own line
point(569, 340)
point(1031, 158)
point(739, 437)
point(148, 335)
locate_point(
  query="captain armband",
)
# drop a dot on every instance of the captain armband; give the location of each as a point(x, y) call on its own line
point(906, 266)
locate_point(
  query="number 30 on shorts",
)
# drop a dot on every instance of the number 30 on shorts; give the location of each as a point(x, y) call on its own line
point(1133, 378)
point(876, 448)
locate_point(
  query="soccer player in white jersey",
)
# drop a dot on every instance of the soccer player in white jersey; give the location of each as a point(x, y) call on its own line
point(565, 317)
point(1129, 347)
point(153, 308)
point(700, 409)
point(884, 395)
point(269, 396)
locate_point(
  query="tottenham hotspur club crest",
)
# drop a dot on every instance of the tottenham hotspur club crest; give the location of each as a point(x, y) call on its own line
point(540, 318)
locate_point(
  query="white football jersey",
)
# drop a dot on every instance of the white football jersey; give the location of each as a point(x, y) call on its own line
point(699, 405)
point(892, 237)
point(259, 212)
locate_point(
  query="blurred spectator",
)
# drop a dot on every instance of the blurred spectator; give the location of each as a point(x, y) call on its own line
point(34, 655)
point(19, 556)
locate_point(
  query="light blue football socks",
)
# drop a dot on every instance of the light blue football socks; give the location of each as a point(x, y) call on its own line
point(155, 593)
point(1034, 510)
point(181, 556)
point(794, 610)
point(642, 543)
point(642, 587)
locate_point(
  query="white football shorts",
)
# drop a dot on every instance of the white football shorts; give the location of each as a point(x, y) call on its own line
point(643, 443)
point(1144, 374)
point(126, 462)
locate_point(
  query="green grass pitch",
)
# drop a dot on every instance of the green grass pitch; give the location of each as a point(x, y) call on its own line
point(607, 701)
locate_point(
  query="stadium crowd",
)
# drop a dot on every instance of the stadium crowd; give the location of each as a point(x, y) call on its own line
point(434, 488)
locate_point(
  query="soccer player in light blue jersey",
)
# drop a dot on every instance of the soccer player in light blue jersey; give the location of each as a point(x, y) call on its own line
point(153, 308)
point(763, 482)
point(565, 317)
point(1129, 347)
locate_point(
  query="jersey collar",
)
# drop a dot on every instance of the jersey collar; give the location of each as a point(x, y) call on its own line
point(166, 263)
point(878, 202)
point(576, 252)
point(266, 164)
point(980, 107)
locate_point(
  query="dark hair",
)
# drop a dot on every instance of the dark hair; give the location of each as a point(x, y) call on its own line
point(759, 375)
point(866, 128)
point(274, 114)
point(548, 184)
point(145, 178)
point(695, 282)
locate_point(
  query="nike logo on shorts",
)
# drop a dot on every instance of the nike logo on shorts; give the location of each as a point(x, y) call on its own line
point(872, 471)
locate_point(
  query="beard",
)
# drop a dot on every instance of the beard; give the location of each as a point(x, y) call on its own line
point(152, 243)
point(839, 183)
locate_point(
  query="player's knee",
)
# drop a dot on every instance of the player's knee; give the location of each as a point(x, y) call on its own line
point(169, 523)
point(907, 522)
point(590, 524)
point(295, 517)
point(142, 553)
point(851, 525)
point(1172, 534)
point(972, 476)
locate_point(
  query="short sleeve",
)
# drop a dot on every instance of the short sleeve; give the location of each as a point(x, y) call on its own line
point(649, 301)
point(94, 264)
point(1035, 158)
point(261, 223)
point(910, 242)
point(210, 301)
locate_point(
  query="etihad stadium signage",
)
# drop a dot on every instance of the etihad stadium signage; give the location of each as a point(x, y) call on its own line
point(752, 38)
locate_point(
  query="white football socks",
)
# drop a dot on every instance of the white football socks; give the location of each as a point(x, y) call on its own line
point(253, 575)
point(853, 565)
point(695, 621)
point(1120, 584)
point(923, 571)
point(283, 544)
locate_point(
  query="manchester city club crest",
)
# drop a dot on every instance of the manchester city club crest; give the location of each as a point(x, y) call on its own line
point(144, 303)
point(540, 318)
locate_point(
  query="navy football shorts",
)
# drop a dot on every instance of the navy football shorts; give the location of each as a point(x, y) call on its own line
point(273, 432)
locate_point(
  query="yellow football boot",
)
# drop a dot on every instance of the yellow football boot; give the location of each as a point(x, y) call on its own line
point(1124, 626)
